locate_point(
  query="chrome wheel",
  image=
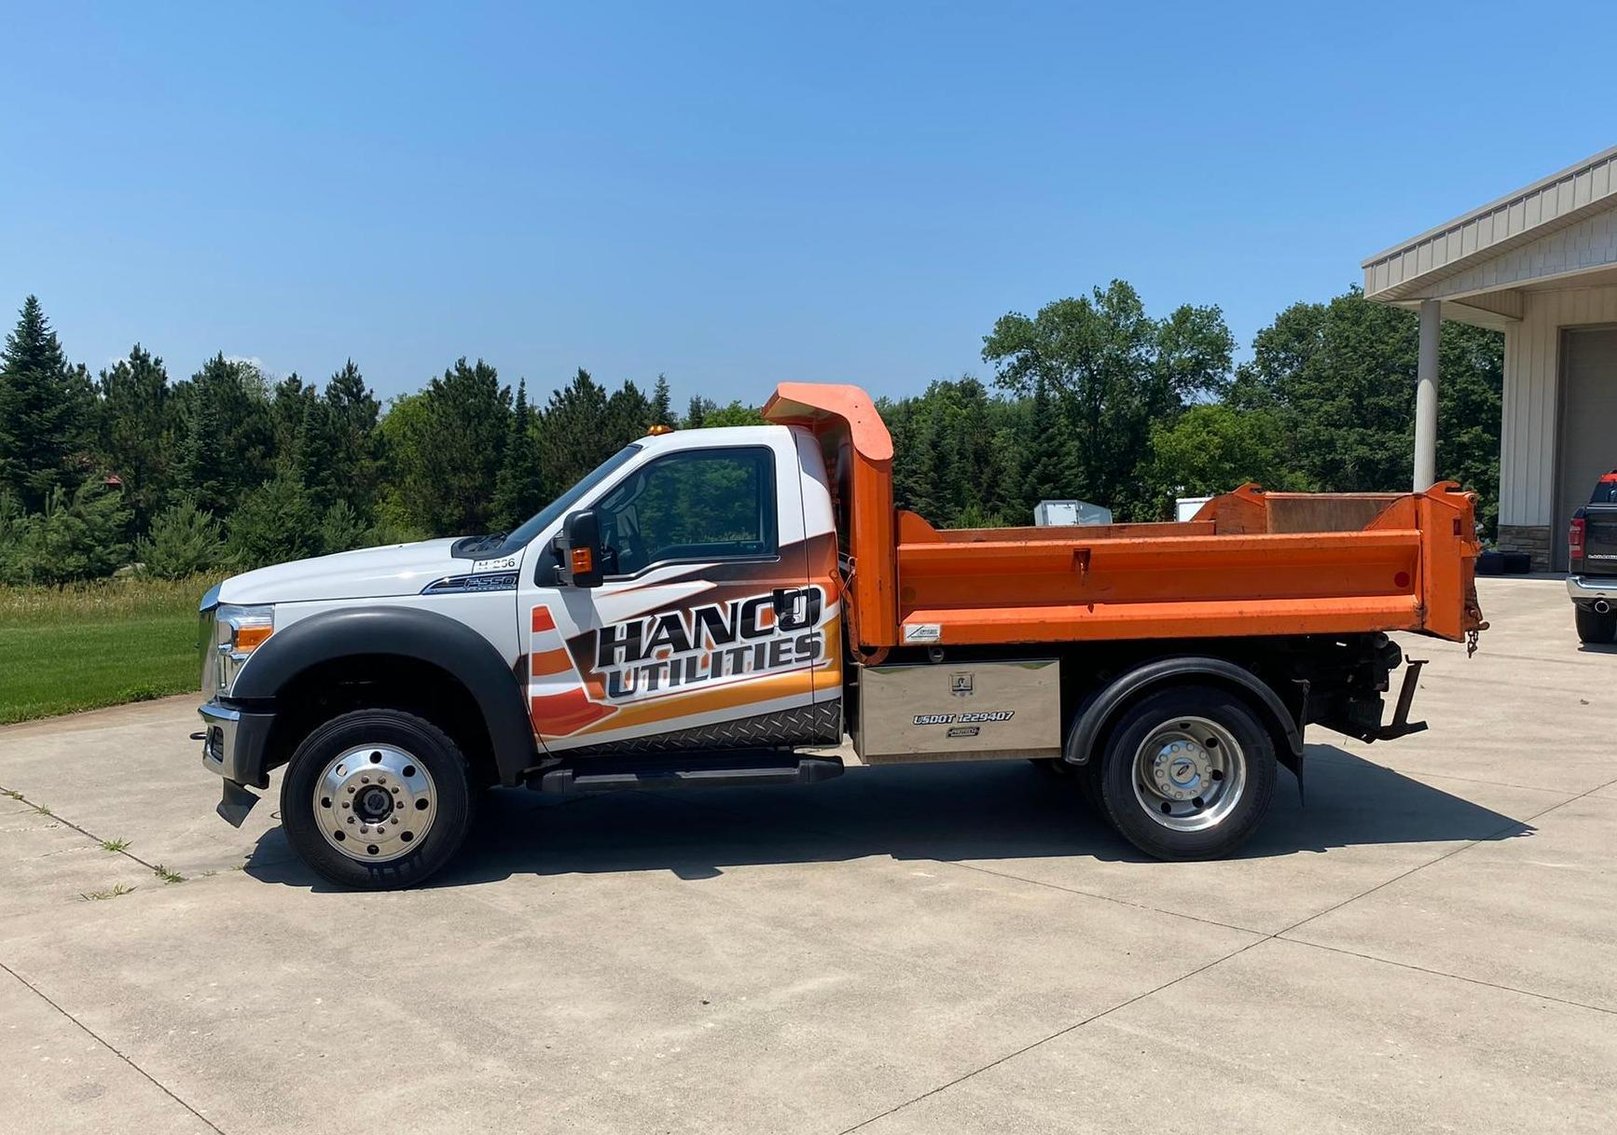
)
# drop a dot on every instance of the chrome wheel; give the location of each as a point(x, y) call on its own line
point(1189, 774)
point(374, 803)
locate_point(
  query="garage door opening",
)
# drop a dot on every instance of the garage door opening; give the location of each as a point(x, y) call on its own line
point(1588, 424)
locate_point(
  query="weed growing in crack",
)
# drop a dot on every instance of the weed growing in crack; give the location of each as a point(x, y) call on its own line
point(112, 893)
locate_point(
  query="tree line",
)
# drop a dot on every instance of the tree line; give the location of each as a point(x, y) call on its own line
point(1095, 399)
point(1091, 397)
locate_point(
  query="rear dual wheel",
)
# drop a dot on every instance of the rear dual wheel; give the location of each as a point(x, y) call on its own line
point(1186, 773)
point(376, 799)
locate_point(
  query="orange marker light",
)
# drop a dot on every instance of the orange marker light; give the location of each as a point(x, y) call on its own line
point(658, 430)
point(251, 637)
point(583, 561)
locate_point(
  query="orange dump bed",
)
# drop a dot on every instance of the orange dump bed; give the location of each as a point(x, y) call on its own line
point(1249, 563)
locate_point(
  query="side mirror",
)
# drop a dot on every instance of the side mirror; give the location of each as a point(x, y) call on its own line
point(578, 550)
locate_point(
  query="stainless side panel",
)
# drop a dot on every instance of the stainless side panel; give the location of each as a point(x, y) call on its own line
point(968, 711)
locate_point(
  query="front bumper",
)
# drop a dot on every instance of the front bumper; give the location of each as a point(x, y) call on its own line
point(234, 744)
point(1586, 589)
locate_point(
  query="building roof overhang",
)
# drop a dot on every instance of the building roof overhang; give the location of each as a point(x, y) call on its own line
point(1467, 261)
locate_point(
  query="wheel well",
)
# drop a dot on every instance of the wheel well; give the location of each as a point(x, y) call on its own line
point(380, 681)
point(1264, 712)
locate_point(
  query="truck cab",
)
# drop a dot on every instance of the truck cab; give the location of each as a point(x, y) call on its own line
point(719, 606)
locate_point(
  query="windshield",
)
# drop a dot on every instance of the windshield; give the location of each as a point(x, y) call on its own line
point(545, 517)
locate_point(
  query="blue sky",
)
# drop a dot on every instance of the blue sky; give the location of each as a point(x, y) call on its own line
point(736, 194)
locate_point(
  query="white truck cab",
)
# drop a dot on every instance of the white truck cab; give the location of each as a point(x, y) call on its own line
point(706, 617)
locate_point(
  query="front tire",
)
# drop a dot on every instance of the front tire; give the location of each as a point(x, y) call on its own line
point(1187, 773)
point(376, 799)
point(1594, 627)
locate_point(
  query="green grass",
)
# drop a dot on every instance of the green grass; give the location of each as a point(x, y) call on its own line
point(64, 649)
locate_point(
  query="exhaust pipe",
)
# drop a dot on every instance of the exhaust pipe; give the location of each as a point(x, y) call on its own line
point(1602, 607)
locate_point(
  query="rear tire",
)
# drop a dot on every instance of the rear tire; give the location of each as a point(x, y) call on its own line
point(1594, 627)
point(376, 799)
point(1188, 773)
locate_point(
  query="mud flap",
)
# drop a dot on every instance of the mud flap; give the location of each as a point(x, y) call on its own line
point(1294, 762)
point(234, 804)
point(1291, 757)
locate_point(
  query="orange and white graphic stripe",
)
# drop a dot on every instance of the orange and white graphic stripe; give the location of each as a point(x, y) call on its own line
point(559, 702)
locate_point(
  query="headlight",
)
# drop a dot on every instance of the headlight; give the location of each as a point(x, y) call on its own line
point(237, 632)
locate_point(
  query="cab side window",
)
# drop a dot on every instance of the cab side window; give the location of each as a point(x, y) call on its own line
point(701, 504)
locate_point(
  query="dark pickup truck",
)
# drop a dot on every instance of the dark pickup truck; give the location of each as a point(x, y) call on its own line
point(1592, 568)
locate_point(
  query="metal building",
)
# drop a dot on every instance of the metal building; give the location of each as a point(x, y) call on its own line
point(1539, 264)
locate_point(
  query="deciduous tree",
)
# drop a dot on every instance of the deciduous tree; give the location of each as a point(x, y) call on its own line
point(1113, 371)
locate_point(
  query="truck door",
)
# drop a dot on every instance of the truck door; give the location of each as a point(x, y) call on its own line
point(705, 631)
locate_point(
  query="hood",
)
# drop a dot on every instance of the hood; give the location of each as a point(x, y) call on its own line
point(396, 569)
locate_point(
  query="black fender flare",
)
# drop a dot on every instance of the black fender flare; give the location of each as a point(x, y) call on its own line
point(407, 632)
point(1093, 718)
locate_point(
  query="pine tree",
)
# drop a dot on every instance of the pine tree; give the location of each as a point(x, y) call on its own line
point(183, 542)
point(628, 413)
point(454, 449)
point(293, 406)
point(697, 414)
point(519, 490)
point(341, 528)
point(1050, 470)
point(74, 536)
point(276, 522)
point(134, 436)
point(43, 413)
point(228, 432)
point(202, 473)
point(662, 402)
point(347, 432)
point(575, 432)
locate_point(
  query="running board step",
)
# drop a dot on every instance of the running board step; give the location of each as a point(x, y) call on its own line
point(605, 775)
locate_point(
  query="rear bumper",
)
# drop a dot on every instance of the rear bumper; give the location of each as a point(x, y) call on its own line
point(1586, 589)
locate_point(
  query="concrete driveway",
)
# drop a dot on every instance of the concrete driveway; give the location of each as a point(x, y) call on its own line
point(1431, 944)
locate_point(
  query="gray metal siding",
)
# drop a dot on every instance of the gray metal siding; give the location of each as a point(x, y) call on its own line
point(1530, 434)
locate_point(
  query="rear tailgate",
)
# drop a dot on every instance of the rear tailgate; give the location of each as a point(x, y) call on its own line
point(1599, 539)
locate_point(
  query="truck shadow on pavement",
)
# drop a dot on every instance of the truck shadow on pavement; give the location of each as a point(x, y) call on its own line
point(1007, 810)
